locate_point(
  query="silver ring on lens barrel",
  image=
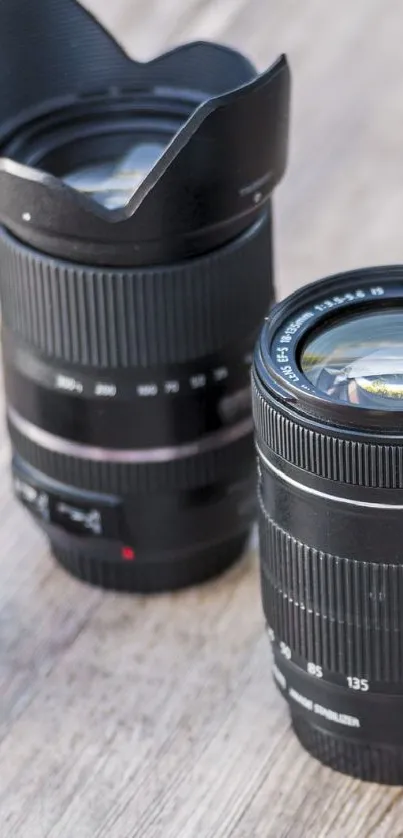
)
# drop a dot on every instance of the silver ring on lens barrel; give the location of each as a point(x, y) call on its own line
point(50, 442)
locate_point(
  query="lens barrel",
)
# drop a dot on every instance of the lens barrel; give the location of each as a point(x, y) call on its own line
point(128, 408)
point(330, 494)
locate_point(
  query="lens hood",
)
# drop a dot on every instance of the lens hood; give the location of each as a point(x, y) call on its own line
point(60, 69)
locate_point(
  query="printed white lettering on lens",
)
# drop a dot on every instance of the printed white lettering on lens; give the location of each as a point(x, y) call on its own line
point(314, 669)
point(289, 373)
point(331, 715)
point(271, 634)
point(220, 373)
point(90, 519)
point(292, 328)
point(66, 382)
point(104, 389)
point(25, 491)
point(285, 650)
point(37, 500)
point(358, 684)
point(340, 299)
point(334, 716)
point(147, 390)
point(171, 387)
point(282, 355)
point(198, 381)
point(279, 677)
point(300, 699)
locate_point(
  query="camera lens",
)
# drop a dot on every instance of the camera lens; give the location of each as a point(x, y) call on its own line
point(135, 262)
point(328, 410)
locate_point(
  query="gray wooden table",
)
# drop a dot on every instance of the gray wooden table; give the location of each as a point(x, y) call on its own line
point(127, 717)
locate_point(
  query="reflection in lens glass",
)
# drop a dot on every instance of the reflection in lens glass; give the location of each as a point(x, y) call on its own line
point(359, 360)
point(113, 183)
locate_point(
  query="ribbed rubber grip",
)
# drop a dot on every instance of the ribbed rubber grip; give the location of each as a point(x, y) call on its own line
point(226, 462)
point(144, 317)
point(344, 615)
point(337, 458)
point(376, 764)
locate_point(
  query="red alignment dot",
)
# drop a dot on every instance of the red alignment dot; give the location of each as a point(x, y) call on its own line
point(128, 554)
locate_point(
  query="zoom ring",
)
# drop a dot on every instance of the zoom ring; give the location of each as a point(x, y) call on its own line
point(341, 614)
point(182, 474)
point(144, 317)
point(339, 459)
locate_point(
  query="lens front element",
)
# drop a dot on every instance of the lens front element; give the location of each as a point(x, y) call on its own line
point(113, 183)
point(359, 359)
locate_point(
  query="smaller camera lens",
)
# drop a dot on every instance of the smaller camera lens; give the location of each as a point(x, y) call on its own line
point(328, 410)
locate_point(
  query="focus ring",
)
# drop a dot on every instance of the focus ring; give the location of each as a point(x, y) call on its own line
point(336, 458)
point(215, 466)
point(160, 315)
point(341, 614)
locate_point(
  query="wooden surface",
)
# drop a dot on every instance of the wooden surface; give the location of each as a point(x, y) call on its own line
point(127, 717)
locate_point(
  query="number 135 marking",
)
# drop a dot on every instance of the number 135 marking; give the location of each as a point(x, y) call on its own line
point(358, 684)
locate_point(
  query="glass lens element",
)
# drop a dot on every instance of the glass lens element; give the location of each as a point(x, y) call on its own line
point(113, 183)
point(359, 359)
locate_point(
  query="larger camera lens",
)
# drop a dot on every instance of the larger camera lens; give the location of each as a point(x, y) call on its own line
point(135, 263)
point(328, 406)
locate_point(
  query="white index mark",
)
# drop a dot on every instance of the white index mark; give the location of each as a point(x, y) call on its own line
point(26, 216)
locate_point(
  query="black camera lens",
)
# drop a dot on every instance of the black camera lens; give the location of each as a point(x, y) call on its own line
point(328, 410)
point(135, 255)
